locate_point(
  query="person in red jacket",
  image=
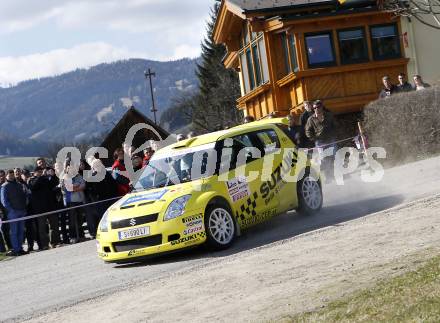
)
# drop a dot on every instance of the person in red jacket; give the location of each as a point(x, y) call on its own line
point(119, 172)
point(148, 153)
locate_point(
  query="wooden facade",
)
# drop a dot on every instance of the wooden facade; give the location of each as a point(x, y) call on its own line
point(356, 37)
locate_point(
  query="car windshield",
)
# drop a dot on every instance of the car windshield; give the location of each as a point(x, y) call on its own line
point(184, 165)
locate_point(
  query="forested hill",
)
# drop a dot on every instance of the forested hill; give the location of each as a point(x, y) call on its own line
point(88, 102)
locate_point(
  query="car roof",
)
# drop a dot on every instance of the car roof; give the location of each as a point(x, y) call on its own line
point(213, 137)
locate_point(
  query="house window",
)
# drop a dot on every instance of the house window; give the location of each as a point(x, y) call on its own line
point(385, 42)
point(289, 53)
point(292, 49)
point(320, 49)
point(253, 60)
point(352, 46)
point(287, 67)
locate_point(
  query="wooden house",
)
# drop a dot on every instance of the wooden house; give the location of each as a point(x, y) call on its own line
point(289, 51)
point(117, 135)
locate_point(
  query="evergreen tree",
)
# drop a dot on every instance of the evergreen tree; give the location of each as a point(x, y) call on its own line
point(213, 106)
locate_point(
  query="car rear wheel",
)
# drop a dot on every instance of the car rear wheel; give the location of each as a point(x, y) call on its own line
point(310, 197)
point(220, 227)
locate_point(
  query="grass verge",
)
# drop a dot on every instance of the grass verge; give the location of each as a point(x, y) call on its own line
point(2, 256)
point(411, 297)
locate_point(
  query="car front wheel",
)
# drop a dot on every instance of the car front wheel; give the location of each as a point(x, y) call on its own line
point(220, 227)
point(309, 195)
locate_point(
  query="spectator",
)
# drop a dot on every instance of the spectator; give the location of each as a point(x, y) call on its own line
point(3, 228)
point(148, 153)
point(308, 112)
point(388, 88)
point(103, 190)
point(41, 162)
point(30, 225)
point(53, 219)
point(419, 84)
point(248, 119)
point(119, 172)
point(294, 129)
point(320, 126)
point(136, 160)
point(13, 199)
point(73, 193)
point(403, 85)
point(92, 217)
point(41, 202)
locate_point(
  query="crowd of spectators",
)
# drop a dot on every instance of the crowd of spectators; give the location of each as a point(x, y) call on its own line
point(66, 200)
point(402, 85)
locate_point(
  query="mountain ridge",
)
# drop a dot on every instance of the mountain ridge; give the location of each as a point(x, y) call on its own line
point(88, 102)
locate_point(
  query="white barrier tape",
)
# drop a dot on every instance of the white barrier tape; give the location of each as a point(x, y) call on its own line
point(331, 144)
point(58, 211)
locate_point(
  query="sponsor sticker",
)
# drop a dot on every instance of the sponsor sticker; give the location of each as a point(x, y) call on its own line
point(194, 229)
point(192, 218)
point(189, 239)
point(135, 252)
point(259, 217)
point(238, 188)
point(144, 197)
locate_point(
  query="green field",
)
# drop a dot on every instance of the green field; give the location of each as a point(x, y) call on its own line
point(11, 162)
point(411, 297)
point(2, 256)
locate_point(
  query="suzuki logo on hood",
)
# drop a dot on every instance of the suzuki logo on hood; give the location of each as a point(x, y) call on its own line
point(133, 222)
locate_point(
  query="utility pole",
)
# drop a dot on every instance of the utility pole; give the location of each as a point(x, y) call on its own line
point(149, 74)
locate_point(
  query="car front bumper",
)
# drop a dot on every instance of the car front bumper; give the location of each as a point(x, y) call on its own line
point(164, 236)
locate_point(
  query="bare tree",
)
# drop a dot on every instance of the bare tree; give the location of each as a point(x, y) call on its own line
point(425, 11)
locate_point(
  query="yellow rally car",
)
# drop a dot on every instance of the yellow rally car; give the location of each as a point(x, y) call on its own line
point(208, 189)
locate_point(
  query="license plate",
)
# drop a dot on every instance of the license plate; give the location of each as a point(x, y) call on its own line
point(132, 233)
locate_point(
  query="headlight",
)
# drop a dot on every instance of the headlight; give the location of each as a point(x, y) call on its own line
point(103, 224)
point(176, 207)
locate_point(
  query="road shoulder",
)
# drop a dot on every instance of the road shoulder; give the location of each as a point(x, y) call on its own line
point(287, 277)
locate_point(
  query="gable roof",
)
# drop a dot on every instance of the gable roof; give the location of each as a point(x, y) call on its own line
point(117, 135)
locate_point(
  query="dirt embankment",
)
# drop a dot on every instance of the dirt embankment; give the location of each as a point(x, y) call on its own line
point(279, 279)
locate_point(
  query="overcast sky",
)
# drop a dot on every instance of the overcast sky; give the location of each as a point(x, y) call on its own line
point(48, 37)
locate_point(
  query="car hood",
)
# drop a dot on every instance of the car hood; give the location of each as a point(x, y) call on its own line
point(148, 201)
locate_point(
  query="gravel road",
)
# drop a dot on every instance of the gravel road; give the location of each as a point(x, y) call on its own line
point(43, 282)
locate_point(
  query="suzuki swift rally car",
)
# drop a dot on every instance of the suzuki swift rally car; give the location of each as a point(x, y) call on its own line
point(208, 189)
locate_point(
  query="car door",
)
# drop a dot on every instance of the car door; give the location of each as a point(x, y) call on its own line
point(246, 156)
point(271, 179)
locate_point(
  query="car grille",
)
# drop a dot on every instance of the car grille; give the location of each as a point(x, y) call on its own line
point(127, 223)
point(138, 243)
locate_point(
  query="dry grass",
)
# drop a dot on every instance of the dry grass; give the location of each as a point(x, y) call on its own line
point(407, 125)
point(12, 162)
point(411, 297)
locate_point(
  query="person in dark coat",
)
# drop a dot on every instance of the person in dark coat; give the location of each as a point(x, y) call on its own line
point(403, 85)
point(41, 202)
point(308, 112)
point(5, 242)
point(294, 130)
point(104, 190)
point(388, 88)
point(30, 225)
point(13, 198)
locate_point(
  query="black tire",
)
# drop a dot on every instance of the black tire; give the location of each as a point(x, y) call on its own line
point(215, 233)
point(307, 186)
